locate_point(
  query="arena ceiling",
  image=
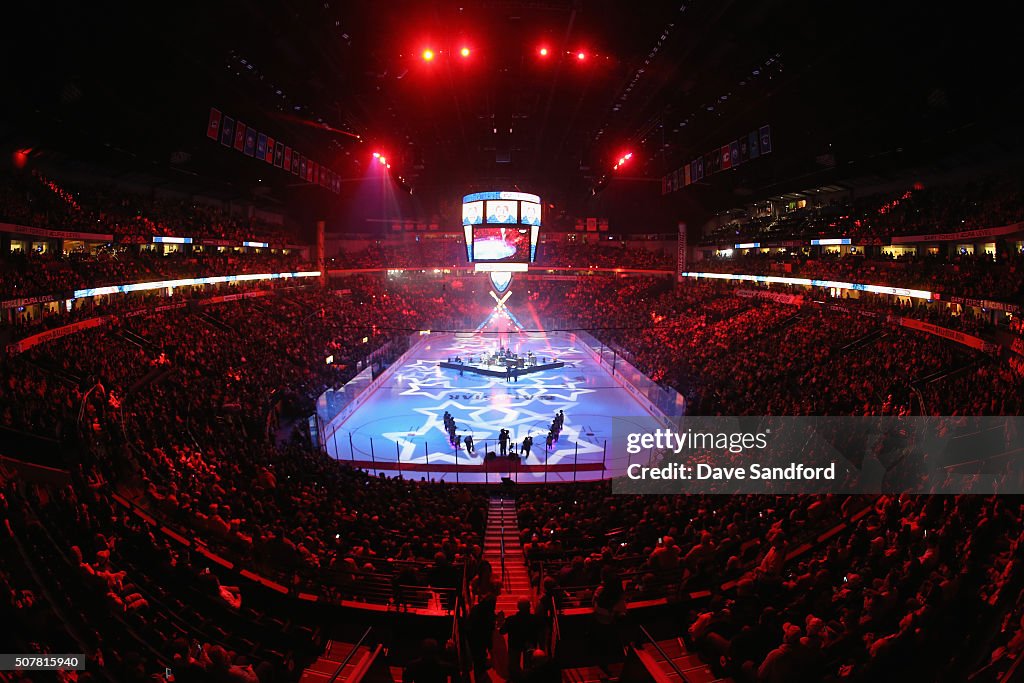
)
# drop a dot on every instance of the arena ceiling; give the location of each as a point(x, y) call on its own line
point(874, 84)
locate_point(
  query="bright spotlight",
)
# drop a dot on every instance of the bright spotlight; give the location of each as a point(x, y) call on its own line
point(464, 52)
point(581, 55)
point(543, 52)
point(376, 155)
point(428, 55)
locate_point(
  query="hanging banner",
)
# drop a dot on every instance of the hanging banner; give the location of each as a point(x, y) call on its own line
point(952, 335)
point(980, 233)
point(43, 337)
point(240, 130)
point(227, 131)
point(681, 252)
point(213, 127)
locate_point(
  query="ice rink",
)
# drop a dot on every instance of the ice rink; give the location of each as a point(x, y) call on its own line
point(403, 420)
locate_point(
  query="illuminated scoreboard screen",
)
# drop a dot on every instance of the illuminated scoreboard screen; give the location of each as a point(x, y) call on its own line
point(501, 227)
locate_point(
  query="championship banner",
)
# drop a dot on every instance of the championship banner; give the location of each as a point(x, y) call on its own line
point(754, 144)
point(250, 142)
point(726, 157)
point(240, 136)
point(227, 131)
point(734, 152)
point(213, 126)
point(766, 139)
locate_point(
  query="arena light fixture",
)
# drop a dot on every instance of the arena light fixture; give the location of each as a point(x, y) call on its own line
point(543, 52)
point(428, 55)
point(581, 55)
point(808, 282)
point(464, 52)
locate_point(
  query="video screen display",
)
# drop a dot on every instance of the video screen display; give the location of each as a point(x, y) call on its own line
point(502, 211)
point(473, 213)
point(530, 213)
point(510, 244)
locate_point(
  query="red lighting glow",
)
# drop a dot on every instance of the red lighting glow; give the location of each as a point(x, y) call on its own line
point(464, 52)
point(543, 52)
point(21, 157)
point(581, 55)
point(428, 55)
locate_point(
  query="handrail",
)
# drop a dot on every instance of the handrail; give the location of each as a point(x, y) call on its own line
point(1015, 672)
point(348, 657)
point(664, 654)
point(188, 537)
point(505, 581)
point(456, 636)
point(556, 631)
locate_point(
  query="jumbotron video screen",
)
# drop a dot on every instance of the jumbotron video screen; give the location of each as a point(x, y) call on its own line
point(501, 227)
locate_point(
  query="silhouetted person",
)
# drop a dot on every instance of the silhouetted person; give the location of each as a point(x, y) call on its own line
point(432, 666)
point(527, 445)
point(481, 634)
point(503, 438)
point(523, 629)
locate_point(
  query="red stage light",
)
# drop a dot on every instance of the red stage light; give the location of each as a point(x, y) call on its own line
point(543, 52)
point(581, 55)
point(464, 52)
point(428, 55)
